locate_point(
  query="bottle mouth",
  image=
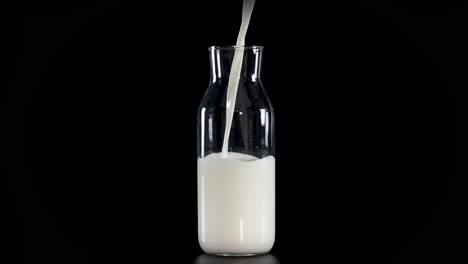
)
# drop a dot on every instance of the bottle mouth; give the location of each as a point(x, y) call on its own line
point(235, 47)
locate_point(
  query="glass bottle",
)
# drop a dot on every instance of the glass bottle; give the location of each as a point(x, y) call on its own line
point(236, 193)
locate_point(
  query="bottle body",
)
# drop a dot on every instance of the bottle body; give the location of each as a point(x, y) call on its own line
point(236, 192)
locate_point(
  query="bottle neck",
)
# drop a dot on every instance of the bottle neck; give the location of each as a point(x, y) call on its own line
point(221, 61)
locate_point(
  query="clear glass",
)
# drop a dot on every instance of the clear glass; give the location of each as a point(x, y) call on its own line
point(236, 194)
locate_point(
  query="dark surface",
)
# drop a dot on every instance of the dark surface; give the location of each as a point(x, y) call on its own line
point(100, 100)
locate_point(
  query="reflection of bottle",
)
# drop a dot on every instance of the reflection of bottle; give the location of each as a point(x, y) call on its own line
point(236, 193)
point(263, 259)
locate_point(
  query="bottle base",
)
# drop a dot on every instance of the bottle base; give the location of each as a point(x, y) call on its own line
point(236, 254)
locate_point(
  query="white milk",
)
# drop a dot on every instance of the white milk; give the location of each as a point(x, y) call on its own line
point(234, 75)
point(236, 203)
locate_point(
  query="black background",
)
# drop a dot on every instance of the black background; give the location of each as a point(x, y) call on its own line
point(98, 126)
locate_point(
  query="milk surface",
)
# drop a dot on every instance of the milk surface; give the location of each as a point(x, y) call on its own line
point(236, 203)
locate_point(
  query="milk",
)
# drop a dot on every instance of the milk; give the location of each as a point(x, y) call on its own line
point(236, 68)
point(236, 204)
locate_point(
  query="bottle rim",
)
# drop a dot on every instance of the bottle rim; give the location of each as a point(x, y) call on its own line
point(235, 47)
